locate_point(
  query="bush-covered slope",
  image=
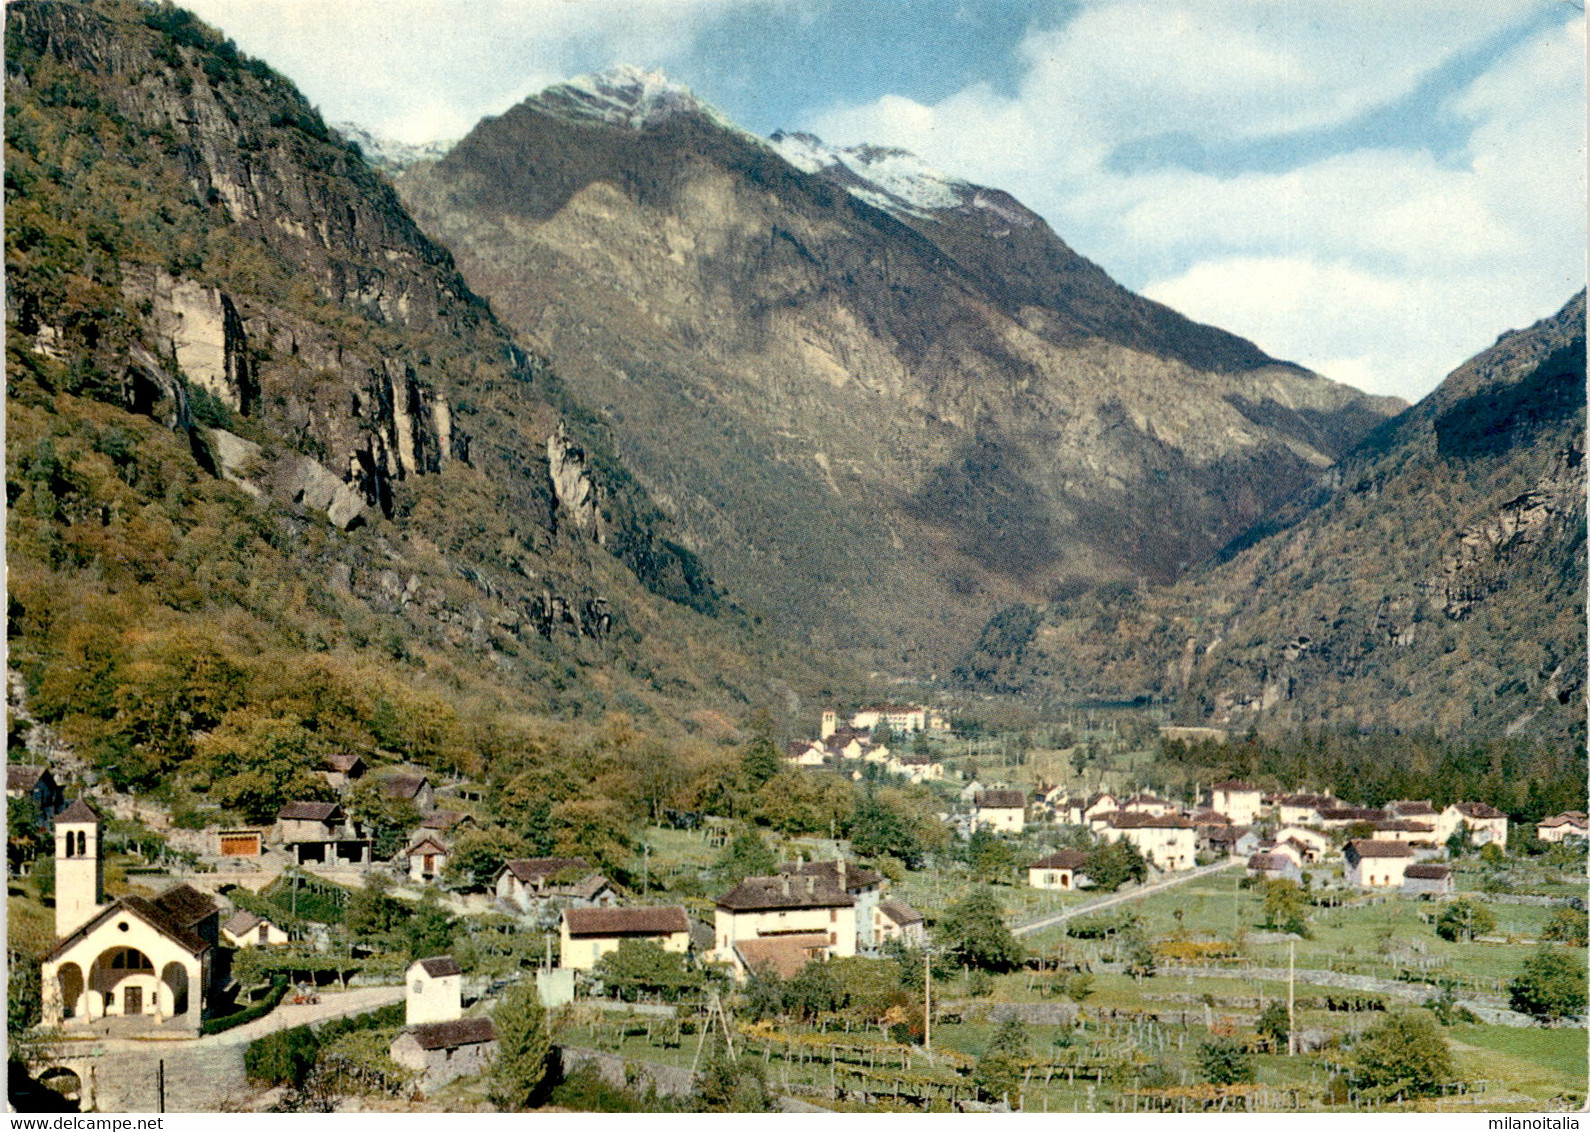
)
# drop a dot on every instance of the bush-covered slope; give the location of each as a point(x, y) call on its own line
point(277, 480)
point(1435, 578)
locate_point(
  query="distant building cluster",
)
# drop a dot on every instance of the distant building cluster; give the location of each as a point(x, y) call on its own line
point(859, 739)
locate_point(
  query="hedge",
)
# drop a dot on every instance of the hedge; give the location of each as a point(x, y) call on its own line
point(261, 1008)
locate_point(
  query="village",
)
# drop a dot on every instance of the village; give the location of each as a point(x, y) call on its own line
point(1059, 948)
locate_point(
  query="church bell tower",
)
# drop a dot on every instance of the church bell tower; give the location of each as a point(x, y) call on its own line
point(79, 868)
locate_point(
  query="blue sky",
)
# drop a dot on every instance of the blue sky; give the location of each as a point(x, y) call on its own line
point(1373, 188)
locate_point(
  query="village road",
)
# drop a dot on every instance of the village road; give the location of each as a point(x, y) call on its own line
point(1114, 898)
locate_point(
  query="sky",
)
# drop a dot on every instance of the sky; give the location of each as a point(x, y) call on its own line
point(1375, 189)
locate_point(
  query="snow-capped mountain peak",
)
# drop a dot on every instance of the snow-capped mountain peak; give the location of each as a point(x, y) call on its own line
point(625, 95)
point(892, 179)
point(388, 154)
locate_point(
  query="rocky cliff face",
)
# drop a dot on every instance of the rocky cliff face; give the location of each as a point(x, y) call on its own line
point(880, 402)
point(1434, 578)
point(214, 258)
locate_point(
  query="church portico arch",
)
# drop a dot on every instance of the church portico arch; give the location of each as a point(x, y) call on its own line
point(123, 981)
point(69, 990)
point(175, 982)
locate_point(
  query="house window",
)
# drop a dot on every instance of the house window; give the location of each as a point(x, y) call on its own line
point(833, 915)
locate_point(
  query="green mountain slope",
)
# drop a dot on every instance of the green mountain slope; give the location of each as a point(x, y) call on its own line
point(269, 459)
point(1434, 578)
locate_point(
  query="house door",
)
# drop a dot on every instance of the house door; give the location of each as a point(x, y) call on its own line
point(133, 1000)
point(429, 867)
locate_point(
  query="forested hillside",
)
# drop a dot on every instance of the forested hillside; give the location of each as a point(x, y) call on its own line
point(279, 484)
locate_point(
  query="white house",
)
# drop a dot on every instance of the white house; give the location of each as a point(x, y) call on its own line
point(587, 934)
point(895, 919)
point(803, 753)
point(1273, 866)
point(1563, 827)
point(1303, 809)
point(1099, 805)
point(1377, 864)
point(1405, 829)
point(1149, 804)
point(1486, 824)
point(433, 990)
point(1240, 801)
point(1311, 842)
point(245, 929)
point(426, 858)
point(1062, 870)
point(810, 915)
point(1165, 842)
point(134, 957)
point(1003, 811)
point(864, 886)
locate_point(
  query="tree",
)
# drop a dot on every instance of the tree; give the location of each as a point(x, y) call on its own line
point(760, 760)
point(812, 991)
point(1551, 984)
point(25, 835)
point(881, 736)
point(745, 856)
point(1275, 1025)
point(429, 927)
point(1285, 907)
point(1110, 866)
point(370, 911)
point(1139, 955)
point(998, 1072)
point(974, 932)
point(284, 1057)
point(387, 820)
point(989, 857)
point(1568, 925)
point(1225, 1061)
point(478, 855)
point(1405, 1053)
point(523, 1049)
point(877, 828)
point(1463, 920)
point(729, 1084)
point(644, 966)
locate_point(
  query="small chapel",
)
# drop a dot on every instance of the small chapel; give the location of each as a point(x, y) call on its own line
point(153, 962)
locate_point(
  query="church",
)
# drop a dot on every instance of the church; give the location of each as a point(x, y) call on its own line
point(153, 962)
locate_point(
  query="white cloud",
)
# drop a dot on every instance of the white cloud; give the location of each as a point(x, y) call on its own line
point(424, 70)
point(1382, 267)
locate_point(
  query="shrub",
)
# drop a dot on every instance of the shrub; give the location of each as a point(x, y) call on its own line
point(1225, 1061)
point(261, 1008)
point(1551, 984)
point(282, 1058)
point(1404, 1053)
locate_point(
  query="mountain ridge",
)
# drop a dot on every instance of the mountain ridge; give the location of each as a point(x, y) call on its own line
point(920, 435)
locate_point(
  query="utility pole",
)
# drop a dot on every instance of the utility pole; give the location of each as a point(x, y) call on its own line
point(927, 1002)
point(1291, 997)
point(160, 1078)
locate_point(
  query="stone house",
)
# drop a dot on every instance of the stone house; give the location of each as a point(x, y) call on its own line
point(1425, 879)
point(782, 907)
point(527, 884)
point(1273, 866)
point(587, 934)
point(1377, 864)
point(37, 784)
point(415, 788)
point(342, 771)
point(1002, 811)
point(444, 1051)
point(321, 833)
point(426, 858)
point(1062, 870)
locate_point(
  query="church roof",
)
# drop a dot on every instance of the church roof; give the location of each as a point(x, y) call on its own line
point(78, 811)
point(163, 919)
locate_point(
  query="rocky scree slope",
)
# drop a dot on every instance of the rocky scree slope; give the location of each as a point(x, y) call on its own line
point(187, 244)
point(1434, 578)
point(880, 403)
